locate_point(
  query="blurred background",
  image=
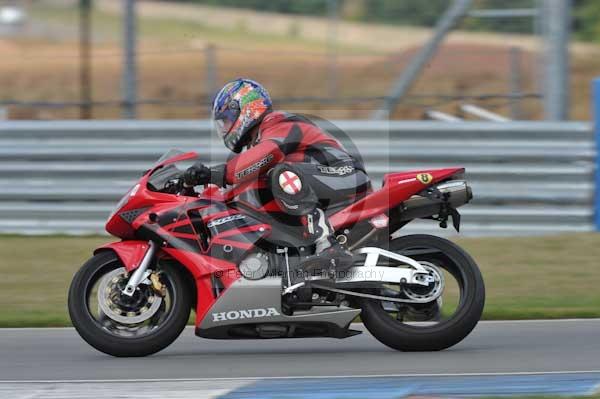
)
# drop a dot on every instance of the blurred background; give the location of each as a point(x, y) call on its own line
point(93, 91)
point(107, 59)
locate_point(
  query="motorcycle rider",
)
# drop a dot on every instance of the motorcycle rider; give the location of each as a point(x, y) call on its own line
point(308, 169)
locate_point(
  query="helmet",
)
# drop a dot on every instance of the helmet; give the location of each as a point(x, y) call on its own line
point(237, 108)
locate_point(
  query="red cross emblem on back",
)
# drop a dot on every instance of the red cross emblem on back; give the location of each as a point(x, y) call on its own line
point(290, 183)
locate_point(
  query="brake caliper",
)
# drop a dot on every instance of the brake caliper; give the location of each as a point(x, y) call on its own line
point(157, 286)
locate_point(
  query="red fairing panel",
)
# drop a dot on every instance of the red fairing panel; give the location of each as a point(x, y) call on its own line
point(130, 253)
point(397, 187)
point(139, 197)
point(202, 267)
point(437, 174)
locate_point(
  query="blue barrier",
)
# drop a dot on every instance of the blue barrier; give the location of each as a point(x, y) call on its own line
point(559, 384)
point(596, 116)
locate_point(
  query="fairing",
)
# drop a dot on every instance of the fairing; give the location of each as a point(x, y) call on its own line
point(176, 222)
point(397, 187)
point(143, 200)
point(130, 253)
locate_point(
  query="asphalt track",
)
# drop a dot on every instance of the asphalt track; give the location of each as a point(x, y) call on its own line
point(554, 350)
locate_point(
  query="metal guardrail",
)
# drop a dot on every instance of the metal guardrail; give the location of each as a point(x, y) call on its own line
point(528, 177)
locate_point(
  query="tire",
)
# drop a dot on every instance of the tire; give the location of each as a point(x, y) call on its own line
point(100, 338)
point(400, 336)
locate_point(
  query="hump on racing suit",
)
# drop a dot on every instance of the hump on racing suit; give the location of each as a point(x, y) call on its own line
point(321, 163)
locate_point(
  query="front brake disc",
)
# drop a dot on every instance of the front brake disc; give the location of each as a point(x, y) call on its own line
point(115, 311)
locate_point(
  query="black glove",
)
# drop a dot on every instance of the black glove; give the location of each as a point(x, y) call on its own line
point(196, 175)
point(173, 186)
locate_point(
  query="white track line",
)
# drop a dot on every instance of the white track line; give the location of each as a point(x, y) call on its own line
point(432, 375)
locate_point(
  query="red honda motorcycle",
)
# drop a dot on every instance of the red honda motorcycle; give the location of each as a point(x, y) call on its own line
point(232, 260)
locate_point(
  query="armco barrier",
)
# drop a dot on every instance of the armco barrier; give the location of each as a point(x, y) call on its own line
point(527, 177)
point(596, 104)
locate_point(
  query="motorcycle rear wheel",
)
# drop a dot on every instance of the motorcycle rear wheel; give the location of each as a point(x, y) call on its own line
point(112, 334)
point(408, 337)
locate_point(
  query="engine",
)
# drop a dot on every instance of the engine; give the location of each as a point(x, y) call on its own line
point(255, 266)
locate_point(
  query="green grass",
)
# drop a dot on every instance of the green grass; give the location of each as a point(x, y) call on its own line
point(539, 277)
point(107, 26)
point(534, 277)
point(35, 275)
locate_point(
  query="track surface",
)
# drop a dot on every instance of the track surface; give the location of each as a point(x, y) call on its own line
point(494, 347)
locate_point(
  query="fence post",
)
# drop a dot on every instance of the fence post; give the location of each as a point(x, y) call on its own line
point(210, 72)
point(596, 121)
point(515, 82)
point(130, 77)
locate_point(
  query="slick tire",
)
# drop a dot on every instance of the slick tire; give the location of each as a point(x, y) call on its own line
point(105, 341)
point(449, 332)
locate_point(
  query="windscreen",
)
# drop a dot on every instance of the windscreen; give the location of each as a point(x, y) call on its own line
point(173, 152)
point(161, 176)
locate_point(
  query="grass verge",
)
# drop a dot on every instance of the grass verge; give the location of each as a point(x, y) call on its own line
point(533, 277)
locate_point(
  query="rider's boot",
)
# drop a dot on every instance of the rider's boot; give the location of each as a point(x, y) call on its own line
point(330, 256)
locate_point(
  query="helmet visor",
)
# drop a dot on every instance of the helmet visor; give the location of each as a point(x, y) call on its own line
point(223, 127)
point(225, 120)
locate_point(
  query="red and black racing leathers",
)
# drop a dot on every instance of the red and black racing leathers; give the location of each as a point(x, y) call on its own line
point(333, 174)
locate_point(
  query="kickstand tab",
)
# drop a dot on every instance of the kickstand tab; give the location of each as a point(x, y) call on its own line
point(287, 267)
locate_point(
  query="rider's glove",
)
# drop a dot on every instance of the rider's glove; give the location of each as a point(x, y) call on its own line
point(196, 175)
point(173, 186)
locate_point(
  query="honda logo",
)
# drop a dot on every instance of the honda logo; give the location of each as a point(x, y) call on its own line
point(245, 314)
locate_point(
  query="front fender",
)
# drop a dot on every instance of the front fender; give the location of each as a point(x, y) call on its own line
point(130, 253)
point(201, 267)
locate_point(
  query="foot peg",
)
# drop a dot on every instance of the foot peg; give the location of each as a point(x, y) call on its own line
point(314, 268)
point(292, 288)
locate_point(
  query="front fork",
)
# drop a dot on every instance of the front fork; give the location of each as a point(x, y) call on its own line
point(140, 273)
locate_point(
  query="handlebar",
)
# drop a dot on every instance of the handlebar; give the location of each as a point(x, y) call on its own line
point(174, 186)
point(178, 187)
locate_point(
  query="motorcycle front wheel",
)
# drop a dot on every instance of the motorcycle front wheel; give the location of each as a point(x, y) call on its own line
point(119, 325)
point(436, 325)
